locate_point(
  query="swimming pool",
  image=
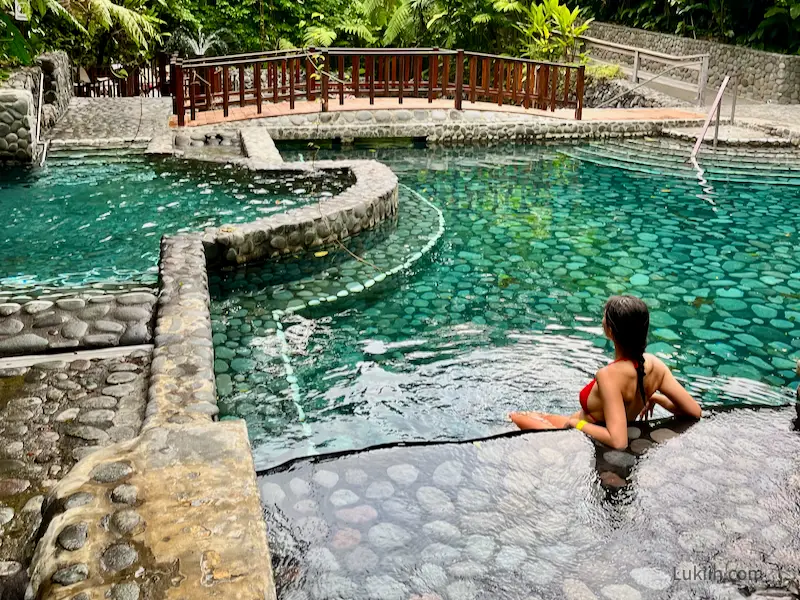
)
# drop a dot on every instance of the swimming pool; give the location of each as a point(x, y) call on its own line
point(504, 312)
point(87, 218)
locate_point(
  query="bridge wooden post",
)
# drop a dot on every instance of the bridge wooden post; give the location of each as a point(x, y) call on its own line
point(178, 83)
point(459, 78)
point(326, 65)
point(579, 85)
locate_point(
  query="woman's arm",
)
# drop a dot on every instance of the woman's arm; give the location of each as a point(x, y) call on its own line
point(615, 431)
point(680, 402)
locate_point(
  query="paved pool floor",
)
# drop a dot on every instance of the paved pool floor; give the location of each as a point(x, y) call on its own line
point(705, 510)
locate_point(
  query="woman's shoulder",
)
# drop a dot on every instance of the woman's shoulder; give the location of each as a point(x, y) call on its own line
point(655, 364)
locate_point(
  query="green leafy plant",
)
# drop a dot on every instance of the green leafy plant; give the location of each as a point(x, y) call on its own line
point(14, 48)
point(197, 43)
point(550, 30)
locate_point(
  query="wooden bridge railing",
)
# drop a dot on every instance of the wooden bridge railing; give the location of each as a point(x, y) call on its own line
point(336, 74)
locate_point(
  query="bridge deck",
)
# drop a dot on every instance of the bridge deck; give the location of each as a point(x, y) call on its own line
point(243, 113)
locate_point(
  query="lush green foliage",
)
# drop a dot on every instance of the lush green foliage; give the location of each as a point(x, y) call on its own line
point(101, 30)
point(766, 24)
point(123, 31)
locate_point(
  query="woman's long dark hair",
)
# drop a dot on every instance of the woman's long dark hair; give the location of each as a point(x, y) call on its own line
point(628, 320)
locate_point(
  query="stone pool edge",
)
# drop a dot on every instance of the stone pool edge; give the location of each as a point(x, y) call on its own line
point(372, 198)
point(176, 512)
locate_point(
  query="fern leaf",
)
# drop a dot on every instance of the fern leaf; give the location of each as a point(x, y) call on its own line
point(399, 21)
point(360, 30)
point(319, 35)
point(481, 18)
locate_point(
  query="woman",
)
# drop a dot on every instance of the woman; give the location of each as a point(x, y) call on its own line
point(630, 386)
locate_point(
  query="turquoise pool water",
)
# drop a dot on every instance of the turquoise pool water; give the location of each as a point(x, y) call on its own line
point(504, 312)
point(81, 220)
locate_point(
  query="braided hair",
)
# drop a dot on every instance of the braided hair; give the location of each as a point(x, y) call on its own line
point(628, 320)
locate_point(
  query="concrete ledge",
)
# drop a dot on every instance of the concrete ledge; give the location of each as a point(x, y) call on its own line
point(182, 388)
point(172, 514)
point(258, 145)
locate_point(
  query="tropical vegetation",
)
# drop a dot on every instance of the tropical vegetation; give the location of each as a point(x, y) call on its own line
point(105, 32)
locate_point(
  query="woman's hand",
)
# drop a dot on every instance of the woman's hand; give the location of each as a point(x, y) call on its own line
point(647, 411)
point(572, 422)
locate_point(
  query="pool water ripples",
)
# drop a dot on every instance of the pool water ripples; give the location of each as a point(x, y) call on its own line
point(507, 313)
point(90, 219)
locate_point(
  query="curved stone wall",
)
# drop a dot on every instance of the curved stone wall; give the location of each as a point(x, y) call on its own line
point(371, 199)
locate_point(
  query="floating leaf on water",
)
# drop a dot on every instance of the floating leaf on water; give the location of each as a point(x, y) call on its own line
point(505, 280)
point(321, 253)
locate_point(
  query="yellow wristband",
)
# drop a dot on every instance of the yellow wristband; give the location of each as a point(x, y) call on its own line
point(580, 425)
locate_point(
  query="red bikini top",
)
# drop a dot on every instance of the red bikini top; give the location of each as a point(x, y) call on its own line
point(587, 390)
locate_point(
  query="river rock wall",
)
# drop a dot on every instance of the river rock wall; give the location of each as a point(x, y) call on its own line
point(621, 93)
point(19, 104)
point(764, 76)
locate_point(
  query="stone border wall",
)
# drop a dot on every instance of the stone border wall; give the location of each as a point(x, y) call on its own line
point(78, 321)
point(765, 76)
point(19, 104)
point(182, 386)
point(371, 199)
point(452, 126)
point(174, 513)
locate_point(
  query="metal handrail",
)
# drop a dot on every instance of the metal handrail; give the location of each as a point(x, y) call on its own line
point(644, 51)
point(636, 87)
point(716, 109)
point(696, 62)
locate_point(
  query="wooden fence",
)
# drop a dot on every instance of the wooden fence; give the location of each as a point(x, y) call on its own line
point(341, 73)
point(149, 79)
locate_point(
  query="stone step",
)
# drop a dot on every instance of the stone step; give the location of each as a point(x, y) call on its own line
point(722, 170)
point(644, 166)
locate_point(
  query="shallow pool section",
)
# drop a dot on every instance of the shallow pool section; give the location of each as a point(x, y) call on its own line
point(541, 516)
point(505, 311)
point(87, 218)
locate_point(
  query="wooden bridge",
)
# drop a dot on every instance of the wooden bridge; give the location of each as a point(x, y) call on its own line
point(247, 85)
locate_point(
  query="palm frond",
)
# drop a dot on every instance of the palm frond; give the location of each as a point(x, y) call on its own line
point(55, 7)
point(481, 18)
point(508, 6)
point(141, 28)
point(284, 44)
point(401, 17)
point(435, 18)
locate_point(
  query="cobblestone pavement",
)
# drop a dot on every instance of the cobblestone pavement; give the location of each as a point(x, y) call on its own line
point(113, 119)
point(546, 516)
point(51, 415)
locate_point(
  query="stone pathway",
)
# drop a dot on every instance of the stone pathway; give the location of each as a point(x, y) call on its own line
point(545, 516)
point(112, 121)
point(787, 115)
point(51, 415)
point(99, 320)
point(728, 135)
